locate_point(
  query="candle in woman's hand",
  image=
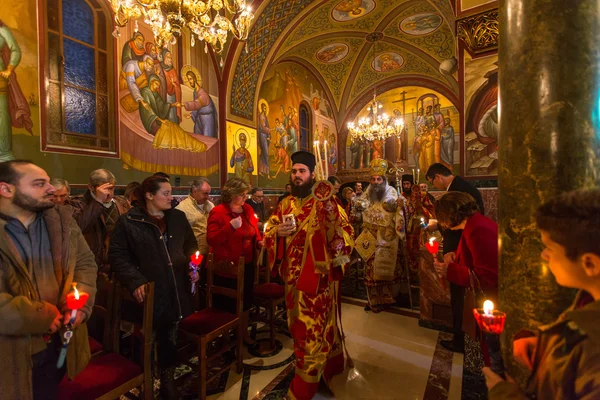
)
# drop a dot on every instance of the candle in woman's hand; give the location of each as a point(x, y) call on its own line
point(196, 259)
point(432, 246)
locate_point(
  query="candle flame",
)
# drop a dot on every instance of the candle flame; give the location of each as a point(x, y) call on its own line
point(76, 291)
point(197, 254)
point(488, 307)
point(431, 240)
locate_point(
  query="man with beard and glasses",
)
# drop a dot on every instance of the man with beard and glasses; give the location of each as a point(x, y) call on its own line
point(42, 251)
point(308, 240)
point(380, 244)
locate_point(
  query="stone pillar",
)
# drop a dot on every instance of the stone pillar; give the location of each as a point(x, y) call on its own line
point(549, 143)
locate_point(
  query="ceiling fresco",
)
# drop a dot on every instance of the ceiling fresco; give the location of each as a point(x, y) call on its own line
point(353, 45)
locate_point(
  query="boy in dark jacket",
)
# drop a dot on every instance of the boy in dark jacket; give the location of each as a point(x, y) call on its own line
point(564, 357)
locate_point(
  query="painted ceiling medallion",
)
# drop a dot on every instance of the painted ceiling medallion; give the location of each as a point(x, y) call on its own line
point(332, 53)
point(421, 24)
point(388, 61)
point(348, 10)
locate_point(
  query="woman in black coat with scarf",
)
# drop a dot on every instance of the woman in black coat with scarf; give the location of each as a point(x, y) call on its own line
point(153, 243)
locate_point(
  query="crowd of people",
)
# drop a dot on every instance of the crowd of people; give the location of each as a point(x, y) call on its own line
point(52, 239)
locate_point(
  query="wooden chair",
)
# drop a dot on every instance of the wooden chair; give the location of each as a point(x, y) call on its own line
point(109, 375)
point(101, 318)
point(269, 295)
point(212, 325)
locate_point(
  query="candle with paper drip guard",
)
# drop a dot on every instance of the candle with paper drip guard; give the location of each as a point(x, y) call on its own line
point(195, 261)
point(75, 301)
point(490, 320)
point(433, 247)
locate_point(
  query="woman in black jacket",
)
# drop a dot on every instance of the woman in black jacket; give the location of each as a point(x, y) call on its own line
point(153, 243)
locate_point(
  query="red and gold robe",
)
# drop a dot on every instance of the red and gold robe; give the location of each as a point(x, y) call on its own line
point(311, 261)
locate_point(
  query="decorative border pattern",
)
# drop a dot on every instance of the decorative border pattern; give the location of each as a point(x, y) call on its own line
point(480, 32)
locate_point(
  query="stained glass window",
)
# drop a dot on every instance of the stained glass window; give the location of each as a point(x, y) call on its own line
point(78, 91)
point(304, 128)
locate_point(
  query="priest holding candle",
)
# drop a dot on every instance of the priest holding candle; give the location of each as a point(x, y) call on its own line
point(42, 251)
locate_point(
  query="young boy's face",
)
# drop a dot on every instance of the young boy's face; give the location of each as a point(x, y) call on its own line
point(567, 272)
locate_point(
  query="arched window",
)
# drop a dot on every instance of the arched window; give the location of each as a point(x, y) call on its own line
point(305, 128)
point(78, 111)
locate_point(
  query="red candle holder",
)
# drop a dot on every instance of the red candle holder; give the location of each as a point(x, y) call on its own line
point(432, 247)
point(490, 323)
point(76, 300)
point(196, 259)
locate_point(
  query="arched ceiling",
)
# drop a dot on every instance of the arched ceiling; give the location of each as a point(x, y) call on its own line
point(353, 46)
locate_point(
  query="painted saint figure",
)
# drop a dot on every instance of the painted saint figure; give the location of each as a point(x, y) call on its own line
point(447, 145)
point(241, 161)
point(173, 86)
point(134, 49)
point(14, 109)
point(156, 111)
point(204, 112)
point(264, 139)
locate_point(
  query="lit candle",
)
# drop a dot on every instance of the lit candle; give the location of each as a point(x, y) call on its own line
point(326, 158)
point(195, 261)
point(418, 176)
point(413, 172)
point(488, 308)
point(318, 157)
point(423, 223)
point(75, 301)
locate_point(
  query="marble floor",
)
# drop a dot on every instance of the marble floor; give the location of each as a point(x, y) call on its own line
point(394, 358)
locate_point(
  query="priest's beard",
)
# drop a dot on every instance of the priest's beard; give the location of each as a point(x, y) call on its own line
point(302, 190)
point(406, 191)
point(377, 192)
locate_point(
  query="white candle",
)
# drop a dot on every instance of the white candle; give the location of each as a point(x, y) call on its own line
point(431, 240)
point(413, 171)
point(326, 167)
point(488, 307)
point(418, 176)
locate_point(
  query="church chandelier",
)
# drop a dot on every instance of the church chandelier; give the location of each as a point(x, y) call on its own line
point(376, 126)
point(210, 21)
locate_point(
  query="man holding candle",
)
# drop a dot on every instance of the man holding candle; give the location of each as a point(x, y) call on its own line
point(308, 241)
point(382, 235)
point(42, 251)
point(564, 357)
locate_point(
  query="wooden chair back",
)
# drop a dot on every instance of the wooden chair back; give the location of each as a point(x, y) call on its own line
point(104, 315)
point(228, 269)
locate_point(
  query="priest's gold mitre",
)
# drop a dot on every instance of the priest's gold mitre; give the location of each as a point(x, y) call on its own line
point(379, 167)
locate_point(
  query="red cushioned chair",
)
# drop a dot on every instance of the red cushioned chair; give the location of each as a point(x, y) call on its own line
point(213, 326)
point(268, 295)
point(109, 375)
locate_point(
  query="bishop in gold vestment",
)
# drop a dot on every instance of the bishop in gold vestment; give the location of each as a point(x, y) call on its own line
point(308, 241)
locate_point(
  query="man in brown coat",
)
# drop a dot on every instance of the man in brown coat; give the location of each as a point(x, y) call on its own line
point(97, 213)
point(42, 251)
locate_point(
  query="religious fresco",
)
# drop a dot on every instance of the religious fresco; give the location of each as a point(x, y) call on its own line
point(347, 10)
point(168, 118)
point(387, 62)
point(421, 24)
point(481, 116)
point(431, 132)
point(291, 109)
point(242, 153)
point(332, 53)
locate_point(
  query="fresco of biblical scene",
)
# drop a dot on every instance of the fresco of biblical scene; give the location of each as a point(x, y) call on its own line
point(420, 24)
point(332, 53)
point(348, 10)
point(431, 132)
point(387, 62)
point(481, 116)
point(168, 118)
point(292, 107)
point(242, 154)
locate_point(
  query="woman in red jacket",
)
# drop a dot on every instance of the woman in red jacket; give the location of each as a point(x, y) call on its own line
point(477, 251)
point(232, 232)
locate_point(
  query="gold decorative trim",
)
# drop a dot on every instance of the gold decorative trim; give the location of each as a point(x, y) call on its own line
point(479, 32)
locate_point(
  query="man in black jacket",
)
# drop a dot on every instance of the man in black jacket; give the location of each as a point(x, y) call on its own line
point(442, 178)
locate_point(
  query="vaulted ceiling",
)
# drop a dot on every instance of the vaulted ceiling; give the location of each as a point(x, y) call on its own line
point(351, 46)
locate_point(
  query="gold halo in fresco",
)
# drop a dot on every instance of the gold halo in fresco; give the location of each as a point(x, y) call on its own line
point(238, 135)
point(260, 103)
point(348, 10)
point(187, 68)
point(420, 24)
point(332, 53)
point(388, 61)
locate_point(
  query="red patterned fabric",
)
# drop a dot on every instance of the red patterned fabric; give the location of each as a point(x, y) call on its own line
point(269, 291)
point(205, 321)
point(95, 346)
point(101, 375)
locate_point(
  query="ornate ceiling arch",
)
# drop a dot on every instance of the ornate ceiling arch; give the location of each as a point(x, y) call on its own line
point(352, 45)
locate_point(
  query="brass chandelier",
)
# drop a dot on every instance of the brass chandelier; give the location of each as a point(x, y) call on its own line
point(208, 20)
point(376, 126)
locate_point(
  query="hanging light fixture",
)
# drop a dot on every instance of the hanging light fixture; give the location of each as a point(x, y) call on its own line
point(376, 126)
point(208, 20)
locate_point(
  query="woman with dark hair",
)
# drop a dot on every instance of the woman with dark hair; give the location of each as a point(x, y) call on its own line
point(153, 243)
point(233, 232)
point(477, 253)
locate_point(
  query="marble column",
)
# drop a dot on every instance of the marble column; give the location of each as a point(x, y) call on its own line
point(549, 143)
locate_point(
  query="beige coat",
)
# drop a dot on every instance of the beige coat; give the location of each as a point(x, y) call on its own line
point(197, 216)
point(566, 364)
point(24, 318)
